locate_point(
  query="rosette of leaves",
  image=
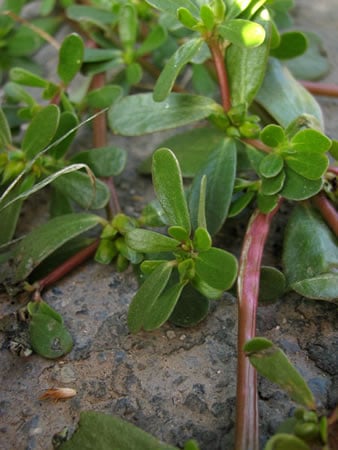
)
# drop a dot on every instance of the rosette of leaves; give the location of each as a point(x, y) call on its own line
point(185, 270)
point(295, 167)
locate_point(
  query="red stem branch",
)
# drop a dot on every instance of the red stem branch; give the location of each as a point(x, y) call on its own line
point(71, 263)
point(247, 435)
point(327, 89)
point(218, 58)
point(327, 210)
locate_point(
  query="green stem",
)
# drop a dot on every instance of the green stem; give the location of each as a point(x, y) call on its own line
point(247, 436)
point(222, 75)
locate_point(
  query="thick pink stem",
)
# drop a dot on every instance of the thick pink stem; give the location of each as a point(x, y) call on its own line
point(325, 89)
point(247, 436)
point(218, 59)
point(327, 210)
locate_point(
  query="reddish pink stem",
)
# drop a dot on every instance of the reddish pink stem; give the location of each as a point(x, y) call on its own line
point(247, 435)
point(71, 263)
point(327, 89)
point(218, 59)
point(327, 210)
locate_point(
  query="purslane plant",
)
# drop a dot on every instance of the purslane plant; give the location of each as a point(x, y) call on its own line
point(261, 143)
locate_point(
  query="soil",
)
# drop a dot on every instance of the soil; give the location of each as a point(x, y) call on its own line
point(174, 383)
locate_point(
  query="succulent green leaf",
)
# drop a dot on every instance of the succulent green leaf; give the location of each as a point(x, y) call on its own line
point(70, 57)
point(140, 114)
point(273, 135)
point(220, 171)
point(307, 163)
point(68, 121)
point(44, 240)
point(162, 308)
point(41, 130)
point(103, 97)
point(296, 187)
point(236, 7)
point(310, 139)
point(106, 251)
point(94, 55)
point(27, 78)
point(103, 161)
point(168, 185)
point(192, 307)
point(247, 66)
point(205, 289)
point(310, 255)
point(147, 295)
point(41, 307)
point(217, 268)
point(128, 25)
point(175, 64)
point(82, 189)
point(178, 233)
point(202, 240)
point(147, 241)
point(153, 40)
point(272, 363)
point(191, 148)
point(313, 64)
point(273, 185)
point(201, 217)
point(49, 338)
point(17, 93)
point(102, 432)
point(284, 441)
point(243, 33)
point(186, 18)
point(271, 165)
point(207, 16)
point(284, 98)
point(5, 131)
point(292, 44)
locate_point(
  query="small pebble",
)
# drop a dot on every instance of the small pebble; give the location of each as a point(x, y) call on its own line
point(171, 334)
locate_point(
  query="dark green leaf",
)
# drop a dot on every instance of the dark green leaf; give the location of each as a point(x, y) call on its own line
point(292, 44)
point(10, 215)
point(82, 189)
point(220, 170)
point(172, 6)
point(140, 114)
point(266, 203)
point(27, 78)
point(284, 441)
point(192, 149)
point(243, 33)
point(272, 363)
point(70, 57)
point(41, 307)
point(103, 161)
point(153, 40)
point(5, 131)
point(96, 16)
point(67, 122)
point(102, 432)
point(310, 255)
point(162, 307)
point(192, 307)
point(313, 64)
point(217, 268)
point(44, 240)
point(147, 295)
point(168, 185)
point(272, 284)
point(41, 130)
point(103, 97)
point(240, 203)
point(297, 187)
point(284, 98)
point(147, 241)
point(49, 338)
point(273, 185)
point(175, 64)
point(247, 66)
